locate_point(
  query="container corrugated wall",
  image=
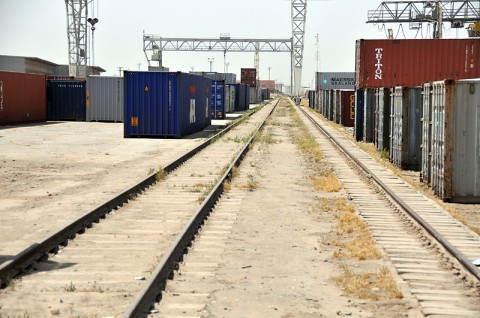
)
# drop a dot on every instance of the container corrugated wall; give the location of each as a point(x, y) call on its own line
point(242, 97)
point(426, 164)
point(218, 99)
point(409, 63)
point(105, 98)
point(347, 110)
point(369, 115)
point(22, 98)
point(359, 116)
point(66, 100)
point(165, 104)
point(456, 140)
point(406, 127)
point(229, 98)
point(383, 119)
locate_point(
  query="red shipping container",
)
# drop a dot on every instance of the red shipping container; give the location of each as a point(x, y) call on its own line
point(22, 98)
point(347, 112)
point(389, 63)
point(248, 76)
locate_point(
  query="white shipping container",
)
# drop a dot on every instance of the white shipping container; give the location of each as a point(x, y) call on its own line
point(105, 99)
point(455, 143)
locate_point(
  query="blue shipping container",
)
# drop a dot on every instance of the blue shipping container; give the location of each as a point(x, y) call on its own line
point(218, 99)
point(66, 100)
point(165, 104)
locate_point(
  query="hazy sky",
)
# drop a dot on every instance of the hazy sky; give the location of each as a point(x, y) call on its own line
point(38, 28)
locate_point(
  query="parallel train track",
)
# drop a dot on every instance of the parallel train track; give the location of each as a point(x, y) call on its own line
point(121, 264)
point(429, 248)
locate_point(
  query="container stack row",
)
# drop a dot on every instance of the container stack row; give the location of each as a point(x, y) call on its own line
point(149, 103)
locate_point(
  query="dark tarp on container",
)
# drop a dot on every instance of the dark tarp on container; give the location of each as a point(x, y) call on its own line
point(165, 104)
point(66, 100)
point(242, 97)
point(369, 115)
point(22, 98)
point(218, 99)
point(359, 117)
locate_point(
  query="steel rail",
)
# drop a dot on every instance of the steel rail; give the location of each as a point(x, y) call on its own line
point(153, 288)
point(51, 243)
point(464, 261)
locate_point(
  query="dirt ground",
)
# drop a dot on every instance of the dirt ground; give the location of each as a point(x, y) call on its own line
point(279, 260)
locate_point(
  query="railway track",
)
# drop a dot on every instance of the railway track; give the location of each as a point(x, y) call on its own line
point(430, 250)
point(119, 266)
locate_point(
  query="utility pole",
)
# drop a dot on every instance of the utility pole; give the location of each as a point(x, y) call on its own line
point(269, 68)
point(210, 60)
point(120, 68)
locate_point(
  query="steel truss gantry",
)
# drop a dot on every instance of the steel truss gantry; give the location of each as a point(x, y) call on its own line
point(299, 14)
point(417, 12)
point(77, 11)
point(156, 45)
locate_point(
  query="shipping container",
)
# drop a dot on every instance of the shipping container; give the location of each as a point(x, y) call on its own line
point(382, 123)
point(253, 95)
point(335, 105)
point(369, 115)
point(409, 63)
point(456, 141)
point(406, 127)
point(249, 76)
point(165, 104)
point(426, 145)
point(335, 80)
point(218, 99)
point(229, 78)
point(66, 100)
point(347, 108)
point(105, 98)
point(229, 98)
point(329, 104)
point(266, 95)
point(242, 97)
point(359, 116)
point(22, 98)
point(311, 99)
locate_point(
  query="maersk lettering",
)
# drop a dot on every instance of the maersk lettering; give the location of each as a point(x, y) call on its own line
point(378, 64)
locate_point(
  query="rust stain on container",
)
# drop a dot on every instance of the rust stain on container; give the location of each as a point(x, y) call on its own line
point(22, 98)
point(389, 63)
point(248, 76)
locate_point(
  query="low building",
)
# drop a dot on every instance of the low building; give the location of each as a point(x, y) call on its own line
point(35, 65)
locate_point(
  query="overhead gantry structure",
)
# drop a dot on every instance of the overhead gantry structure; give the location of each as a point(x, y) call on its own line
point(154, 46)
point(299, 15)
point(458, 13)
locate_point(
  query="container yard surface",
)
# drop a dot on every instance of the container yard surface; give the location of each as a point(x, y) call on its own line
point(389, 63)
point(55, 171)
point(22, 98)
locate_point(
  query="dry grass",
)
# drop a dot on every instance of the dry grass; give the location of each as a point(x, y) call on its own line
point(327, 182)
point(375, 286)
point(251, 184)
point(161, 175)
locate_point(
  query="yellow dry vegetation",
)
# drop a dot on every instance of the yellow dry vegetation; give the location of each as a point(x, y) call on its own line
point(327, 182)
point(375, 286)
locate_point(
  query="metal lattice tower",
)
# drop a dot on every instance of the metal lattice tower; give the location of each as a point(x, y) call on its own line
point(299, 13)
point(77, 36)
point(457, 12)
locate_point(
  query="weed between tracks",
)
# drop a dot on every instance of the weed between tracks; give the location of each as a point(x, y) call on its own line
point(351, 237)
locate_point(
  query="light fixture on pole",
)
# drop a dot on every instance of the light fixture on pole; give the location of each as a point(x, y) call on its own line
point(210, 60)
point(93, 22)
point(269, 68)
